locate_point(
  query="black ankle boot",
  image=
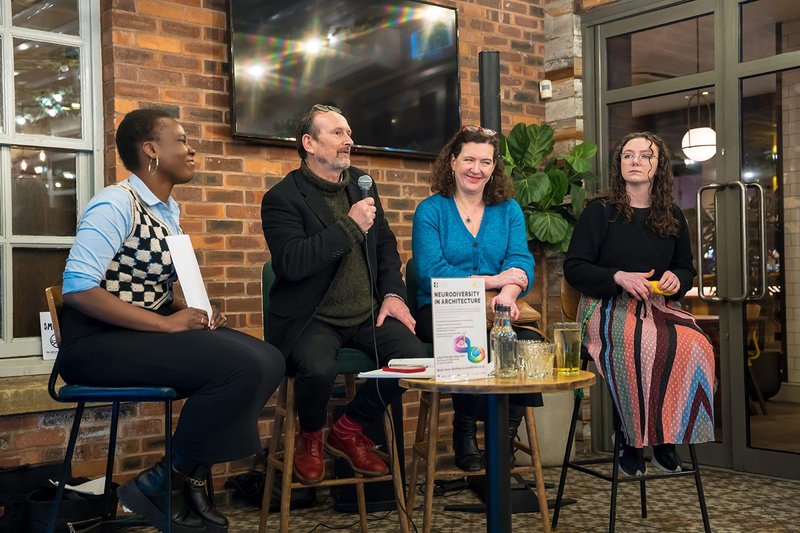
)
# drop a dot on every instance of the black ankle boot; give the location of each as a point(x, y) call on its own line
point(144, 495)
point(465, 443)
point(515, 415)
point(199, 501)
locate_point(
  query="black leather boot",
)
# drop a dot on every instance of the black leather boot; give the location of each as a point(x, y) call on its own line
point(515, 415)
point(201, 503)
point(465, 443)
point(144, 495)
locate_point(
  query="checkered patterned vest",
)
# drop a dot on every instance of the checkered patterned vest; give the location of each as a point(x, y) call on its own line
point(142, 272)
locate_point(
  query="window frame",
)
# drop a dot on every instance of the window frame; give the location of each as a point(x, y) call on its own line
point(22, 356)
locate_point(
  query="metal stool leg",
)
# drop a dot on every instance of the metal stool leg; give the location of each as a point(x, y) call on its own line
point(430, 463)
point(643, 498)
point(65, 468)
point(112, 444)
point(168, 454)
point(612, 516)
point(700, 495)
point(576, 409)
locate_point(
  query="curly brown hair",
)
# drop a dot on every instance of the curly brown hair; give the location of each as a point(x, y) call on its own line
point(662, 220)
point(498, 189)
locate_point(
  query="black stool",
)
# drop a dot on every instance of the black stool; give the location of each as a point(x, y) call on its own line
point(81, 395)
point(569, 304)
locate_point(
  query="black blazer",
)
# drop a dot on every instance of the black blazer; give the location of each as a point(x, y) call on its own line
point(307, 245)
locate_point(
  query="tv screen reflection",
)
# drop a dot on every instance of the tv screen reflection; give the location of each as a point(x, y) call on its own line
point(390, 66)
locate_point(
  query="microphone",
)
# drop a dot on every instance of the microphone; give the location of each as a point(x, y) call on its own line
point(365, 184)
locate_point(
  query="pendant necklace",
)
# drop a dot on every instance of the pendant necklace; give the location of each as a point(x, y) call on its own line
point(468, 216)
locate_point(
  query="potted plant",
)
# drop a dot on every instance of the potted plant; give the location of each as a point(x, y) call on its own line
point(550, 189)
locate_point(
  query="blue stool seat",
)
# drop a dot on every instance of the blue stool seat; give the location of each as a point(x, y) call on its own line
point(83, 393)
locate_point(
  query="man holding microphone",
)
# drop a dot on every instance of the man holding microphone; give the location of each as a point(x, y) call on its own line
point(338, 283)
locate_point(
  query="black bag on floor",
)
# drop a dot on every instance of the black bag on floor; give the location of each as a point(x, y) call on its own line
point(250, 487)
point(15, 485)
point(76, 512)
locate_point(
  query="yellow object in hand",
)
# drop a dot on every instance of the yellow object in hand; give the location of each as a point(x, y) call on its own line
point(659, 291)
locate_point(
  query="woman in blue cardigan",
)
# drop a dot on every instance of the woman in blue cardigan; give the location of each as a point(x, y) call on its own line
point(472, 227)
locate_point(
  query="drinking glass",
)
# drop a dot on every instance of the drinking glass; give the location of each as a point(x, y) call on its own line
point(567, 338)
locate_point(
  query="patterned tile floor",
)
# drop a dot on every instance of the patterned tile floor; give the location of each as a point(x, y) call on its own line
point(736, 503)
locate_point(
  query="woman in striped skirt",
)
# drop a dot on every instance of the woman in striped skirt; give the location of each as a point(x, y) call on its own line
point(631, 259)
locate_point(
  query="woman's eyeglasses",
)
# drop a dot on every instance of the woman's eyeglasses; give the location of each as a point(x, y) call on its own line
point(643, 158)
point(325, 108)
point(478, 129)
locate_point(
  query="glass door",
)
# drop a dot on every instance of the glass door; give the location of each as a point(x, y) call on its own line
point(671, 71)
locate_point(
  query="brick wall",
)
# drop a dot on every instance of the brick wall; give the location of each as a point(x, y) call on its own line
point(175, 54)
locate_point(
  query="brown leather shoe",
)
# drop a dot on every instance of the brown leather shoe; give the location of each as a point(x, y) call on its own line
point(347, 440)
point(309, 462)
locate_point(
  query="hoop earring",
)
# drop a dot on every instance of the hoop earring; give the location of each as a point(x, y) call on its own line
point(150, 168)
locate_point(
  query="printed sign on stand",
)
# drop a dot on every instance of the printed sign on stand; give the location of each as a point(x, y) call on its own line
point(49, 345)
point(459, 328)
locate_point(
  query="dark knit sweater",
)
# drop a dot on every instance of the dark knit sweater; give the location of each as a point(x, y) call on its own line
point(602, 244)
point(348, 301)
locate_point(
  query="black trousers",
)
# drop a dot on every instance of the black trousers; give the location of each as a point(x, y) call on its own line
point(474, 405)
point(227, 375)
point(313, 363)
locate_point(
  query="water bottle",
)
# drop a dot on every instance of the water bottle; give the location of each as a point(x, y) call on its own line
point(506, 346)
point(493, 336)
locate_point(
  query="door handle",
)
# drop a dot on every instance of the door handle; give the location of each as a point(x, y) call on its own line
point(701, 290)
point(743, 231)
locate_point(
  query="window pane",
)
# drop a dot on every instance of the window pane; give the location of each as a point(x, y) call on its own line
point(59, 16)
point(769, 27)
point(48, 88)
point(661, 53)
point(34, 270)
point(43, 191)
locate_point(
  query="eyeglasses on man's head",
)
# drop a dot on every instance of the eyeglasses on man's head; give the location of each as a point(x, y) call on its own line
point(325, 108)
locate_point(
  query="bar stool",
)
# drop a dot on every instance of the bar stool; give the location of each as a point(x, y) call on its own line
point(81, 394)
point(570, 299)
point(349, 363)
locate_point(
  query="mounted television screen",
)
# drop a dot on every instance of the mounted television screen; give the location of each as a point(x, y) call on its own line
point(391, 66)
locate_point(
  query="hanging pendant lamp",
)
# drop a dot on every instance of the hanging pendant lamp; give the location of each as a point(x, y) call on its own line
point(700, 143)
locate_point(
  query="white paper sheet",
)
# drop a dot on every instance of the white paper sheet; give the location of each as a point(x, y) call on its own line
point(94, 486)
point(185, 261)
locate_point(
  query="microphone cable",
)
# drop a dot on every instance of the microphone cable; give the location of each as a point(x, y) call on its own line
point(393, 430)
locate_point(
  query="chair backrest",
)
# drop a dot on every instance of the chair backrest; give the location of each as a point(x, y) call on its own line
point(55, 303)
point(267, 279)
point(570, 298)
point(411, 286)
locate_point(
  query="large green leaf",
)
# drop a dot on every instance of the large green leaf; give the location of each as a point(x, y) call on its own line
point(541, 143)
point(558, 188)
point(547, 226)
point(532, 189)
point(578, 195)
point(579, 156)
point(563, 246)
point(518, 141)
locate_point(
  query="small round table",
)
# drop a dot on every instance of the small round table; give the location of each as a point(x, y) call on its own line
point(498, 505)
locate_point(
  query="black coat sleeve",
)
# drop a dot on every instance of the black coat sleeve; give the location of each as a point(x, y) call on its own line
point(296, 255)
point(581, 265)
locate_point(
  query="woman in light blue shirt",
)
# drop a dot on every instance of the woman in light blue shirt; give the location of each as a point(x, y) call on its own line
point(472, 227)
point(122, 326)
